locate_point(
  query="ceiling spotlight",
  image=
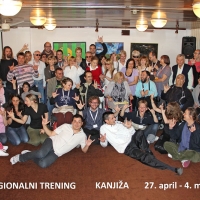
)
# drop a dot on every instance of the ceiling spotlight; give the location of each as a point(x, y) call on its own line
point(97, 26)
point(38, 17)
point(158, 19)
point(10, 7)
point(196, 9)
point(50, 24)
point(141, 25)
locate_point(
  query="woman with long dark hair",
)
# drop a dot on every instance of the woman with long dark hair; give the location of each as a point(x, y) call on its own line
point(16, 132)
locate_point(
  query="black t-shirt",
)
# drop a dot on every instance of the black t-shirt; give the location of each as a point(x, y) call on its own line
point(36, 117)
point(15, 124)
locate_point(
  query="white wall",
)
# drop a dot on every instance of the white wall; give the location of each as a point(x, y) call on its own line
point(169, 43)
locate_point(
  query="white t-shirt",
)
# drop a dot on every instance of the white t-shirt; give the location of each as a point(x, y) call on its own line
point(66, 140)
point(117, 135)
point(74, 74)
point(106, 81)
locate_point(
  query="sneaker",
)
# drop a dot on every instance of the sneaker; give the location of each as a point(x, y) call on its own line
point(5, 148)
point(25, 151)
point(179, 171)
point(185, 163)
point(169, 155)
point(156, 138)
point(2, 153)
point(14, 159)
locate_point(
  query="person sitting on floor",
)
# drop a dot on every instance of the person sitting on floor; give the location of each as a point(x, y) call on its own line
point(189, 148)
point(35, 110)
point(143, 119)
point(93, 117)
point(178, 93)
point(60, 141)
point(133, 144)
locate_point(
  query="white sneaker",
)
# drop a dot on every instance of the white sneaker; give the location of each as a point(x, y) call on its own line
point(14, 159)
point(169, 155)
point(5, 148)
point(25, 151)
point(2, 153)
point(156, 138)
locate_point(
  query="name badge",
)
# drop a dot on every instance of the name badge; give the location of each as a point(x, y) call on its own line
point(95, 126)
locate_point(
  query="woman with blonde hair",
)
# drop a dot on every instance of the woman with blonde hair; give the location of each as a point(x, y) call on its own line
point(49, 71)
point(118, 91)
point(36, 111)
point(109, 72)
point(143, 65)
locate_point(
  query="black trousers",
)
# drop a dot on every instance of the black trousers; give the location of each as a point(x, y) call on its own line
point(138, 149)
point(95, 135)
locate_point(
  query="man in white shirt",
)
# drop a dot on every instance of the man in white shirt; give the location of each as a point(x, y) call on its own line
point(62, 140)
point(124, 139)
point(182, 68)
point(39, 82)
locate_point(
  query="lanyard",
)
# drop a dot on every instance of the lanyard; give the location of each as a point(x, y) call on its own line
point(64, 94)
point(153, 65)
point(161, 70)
point(94, 119)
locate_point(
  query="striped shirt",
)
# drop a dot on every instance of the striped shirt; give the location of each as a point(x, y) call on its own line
point(23, 73)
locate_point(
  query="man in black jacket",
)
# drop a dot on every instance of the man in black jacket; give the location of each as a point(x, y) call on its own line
point(87, 89)
point(178, 93)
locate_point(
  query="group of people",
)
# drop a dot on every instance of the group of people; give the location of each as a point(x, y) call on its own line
point(67, 102)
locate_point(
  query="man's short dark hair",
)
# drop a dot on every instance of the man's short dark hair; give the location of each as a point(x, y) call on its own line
point(154, 53)
point(58, 69)
point(86, 73)
point(77, 116)
point(21, 54)
point(147, 72)
point(106, 115)
point(93, 45)
point(59, 50)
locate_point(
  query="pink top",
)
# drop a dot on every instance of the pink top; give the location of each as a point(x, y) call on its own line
point(197, 65)
point(2, 126)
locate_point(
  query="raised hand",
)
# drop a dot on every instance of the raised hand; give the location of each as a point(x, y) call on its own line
point(166, 88)
point(35, 67)
point(44, 121)
point(152, 111)
point(117, 108)
point(76, 98)
point(126, 106)
point(95, 84)
point(172, 123)
point(102, 138)
point(78, 85)
point(88, 142)
point(131, 97)
point(12, 67)
point(100, 39)
point(54, 52)
point(19, 114)
point(192, 128)
point(25, 47)
point(2, 113)
point(80, 105)
point(11, 114)
point(55, 94)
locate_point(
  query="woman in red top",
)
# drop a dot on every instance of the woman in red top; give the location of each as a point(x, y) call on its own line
point(95, 69)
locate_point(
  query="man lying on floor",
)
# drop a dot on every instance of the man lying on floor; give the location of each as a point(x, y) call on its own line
point(134, 144)
point(62, 140)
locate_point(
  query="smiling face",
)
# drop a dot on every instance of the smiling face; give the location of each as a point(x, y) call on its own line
point(15, 101)
point(180, 79)
point(111, 119)
point(25, 88)
point(142, 108)
point(20, 60)
point(94, 104)
point(28, 57)
point(77, 124)
point(67, 86)
point(94, 63)
point(8, 53)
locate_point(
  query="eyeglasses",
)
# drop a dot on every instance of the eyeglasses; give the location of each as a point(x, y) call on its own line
point(48, 46)
point(88, 56)
point(136, 56)
point(37, 54)
point(94, 102)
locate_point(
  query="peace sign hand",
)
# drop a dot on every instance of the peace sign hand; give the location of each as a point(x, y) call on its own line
point(12, 67)
point(95, 84)
point(76, 98)
point(54, 94)
point(80, 105)
point(102, 138)
point(44, 121)
point(100, 39)
point(88, 142)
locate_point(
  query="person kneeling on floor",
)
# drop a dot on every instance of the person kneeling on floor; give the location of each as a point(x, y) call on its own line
point(60, 141)
point(133, 144)
point(189, 147)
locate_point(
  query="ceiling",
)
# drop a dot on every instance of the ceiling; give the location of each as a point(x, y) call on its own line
point(110, 14)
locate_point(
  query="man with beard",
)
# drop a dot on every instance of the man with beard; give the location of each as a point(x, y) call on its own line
point(178, 93)
point(47, 49)
point(145, 88)
point(6, 61)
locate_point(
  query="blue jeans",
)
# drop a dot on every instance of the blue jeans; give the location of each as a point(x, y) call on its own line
point(3, 138)
point(43, 157)
point(50, 108)
point(17, 135)
point(39, 85)
point(150, 132)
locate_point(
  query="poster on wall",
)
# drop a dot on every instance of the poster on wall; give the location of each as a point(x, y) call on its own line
point(69, 48)
point(113, 47)
point(143, 48)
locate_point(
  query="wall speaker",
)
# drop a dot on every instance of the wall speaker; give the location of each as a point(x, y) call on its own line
point(188, 46)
